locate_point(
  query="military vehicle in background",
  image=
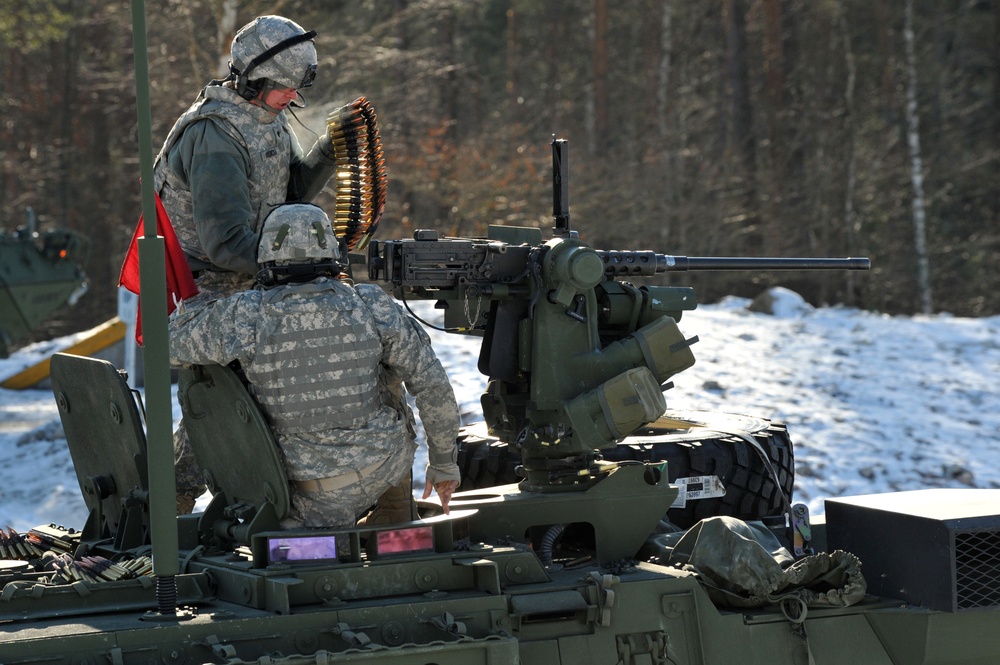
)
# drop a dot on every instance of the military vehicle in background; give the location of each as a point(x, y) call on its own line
point(585, 560)
point(40, 273)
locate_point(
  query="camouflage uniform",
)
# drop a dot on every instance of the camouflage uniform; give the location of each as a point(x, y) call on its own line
point(223, 167)
point(326, 362)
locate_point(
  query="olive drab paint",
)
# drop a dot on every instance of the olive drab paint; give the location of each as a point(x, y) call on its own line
point(539, 573)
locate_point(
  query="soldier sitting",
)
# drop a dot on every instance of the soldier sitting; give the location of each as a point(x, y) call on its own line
point(327, 362)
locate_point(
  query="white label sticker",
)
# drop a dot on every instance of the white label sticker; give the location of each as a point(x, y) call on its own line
point(697, 487)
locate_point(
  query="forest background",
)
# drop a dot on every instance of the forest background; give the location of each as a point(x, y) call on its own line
point(709, 128)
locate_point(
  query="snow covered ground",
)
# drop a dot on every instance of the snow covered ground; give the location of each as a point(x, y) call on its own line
point(874, 403)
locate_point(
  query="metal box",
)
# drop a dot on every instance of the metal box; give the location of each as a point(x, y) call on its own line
point(938, 548)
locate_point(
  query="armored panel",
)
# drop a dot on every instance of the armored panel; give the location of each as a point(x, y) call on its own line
point(939, 548)
point(232, 442)
point(104, 433)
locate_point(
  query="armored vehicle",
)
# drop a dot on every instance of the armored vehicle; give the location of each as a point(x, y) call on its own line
point(583, 560)
point(617, 543)
point(39, 274)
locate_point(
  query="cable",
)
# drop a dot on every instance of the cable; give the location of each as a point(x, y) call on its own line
point(291, 111)
point(402, 298)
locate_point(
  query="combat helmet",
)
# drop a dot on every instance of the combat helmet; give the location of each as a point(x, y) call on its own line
point(297, 240)
point(275, 51)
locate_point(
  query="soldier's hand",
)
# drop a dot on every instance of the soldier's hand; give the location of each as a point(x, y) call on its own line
point(444, 490)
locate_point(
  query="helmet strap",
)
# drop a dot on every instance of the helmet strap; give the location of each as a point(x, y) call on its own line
point(261, 88)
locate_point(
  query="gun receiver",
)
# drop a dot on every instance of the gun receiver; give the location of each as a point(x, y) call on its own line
point(577, 358)
point(430, 262)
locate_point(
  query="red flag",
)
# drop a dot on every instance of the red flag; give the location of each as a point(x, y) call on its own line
point(180, 282)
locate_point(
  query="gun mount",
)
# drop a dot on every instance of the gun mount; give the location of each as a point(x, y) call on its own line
point(577, 358)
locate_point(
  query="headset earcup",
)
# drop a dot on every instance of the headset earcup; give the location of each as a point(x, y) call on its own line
point(265, 277)
point(244, 89)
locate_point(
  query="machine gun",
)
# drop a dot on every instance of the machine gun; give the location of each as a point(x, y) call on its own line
point(577, 358)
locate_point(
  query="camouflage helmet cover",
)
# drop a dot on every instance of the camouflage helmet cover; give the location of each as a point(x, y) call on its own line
point(295, 233)
point(292, 67)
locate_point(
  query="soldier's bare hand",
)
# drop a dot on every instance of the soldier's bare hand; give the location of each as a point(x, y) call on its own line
point(444, 490)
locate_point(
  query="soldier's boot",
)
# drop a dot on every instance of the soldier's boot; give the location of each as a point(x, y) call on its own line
point(394, 506)
point(185, 504)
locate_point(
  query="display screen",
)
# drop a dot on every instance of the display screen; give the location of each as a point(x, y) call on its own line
point(405, 540)
point(313, 548)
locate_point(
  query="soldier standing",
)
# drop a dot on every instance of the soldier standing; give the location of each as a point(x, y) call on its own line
point(227, 161)
point(231, 156)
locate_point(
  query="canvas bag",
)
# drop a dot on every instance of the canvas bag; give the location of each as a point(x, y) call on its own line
point(742, 564)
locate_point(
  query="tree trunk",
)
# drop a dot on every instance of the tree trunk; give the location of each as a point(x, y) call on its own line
point(70, 109)
point(513, 85)
point(225, 31)
point(882, 14)
point(449, 84)
point(995, 191)
point(774, 65)
point(851, 167)
point(663, 87)
point(741, 110)
point(600, 79)
point(554, 56)
point(739, 82)
point(401, 43)
point(669, 199)
point(916, 166)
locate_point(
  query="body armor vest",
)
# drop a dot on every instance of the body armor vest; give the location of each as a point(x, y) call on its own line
point(317, 358)
point(266, 138)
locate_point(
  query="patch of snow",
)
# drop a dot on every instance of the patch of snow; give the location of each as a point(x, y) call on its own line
point(873, 403)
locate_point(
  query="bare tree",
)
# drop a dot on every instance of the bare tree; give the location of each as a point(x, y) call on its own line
point(601, 98)
point(916, 164)
point(226, 12)
point(718, 125)
point(851, 168)
point(513, 64)
point(667, 170)
point(741, 133)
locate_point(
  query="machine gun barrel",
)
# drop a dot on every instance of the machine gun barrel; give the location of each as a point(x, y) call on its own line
point(625, 263)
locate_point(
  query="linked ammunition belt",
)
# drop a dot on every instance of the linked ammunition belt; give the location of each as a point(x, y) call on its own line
point(44, 554)
point(361, 179)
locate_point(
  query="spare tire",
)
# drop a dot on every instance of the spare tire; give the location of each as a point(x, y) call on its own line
point(719, 446)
